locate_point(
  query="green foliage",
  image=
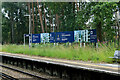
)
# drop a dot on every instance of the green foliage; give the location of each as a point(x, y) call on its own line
point(14, 25)
point(73, 52)
point(84, 15)
point(97, 15)
point(66, 13)
point(103, 17)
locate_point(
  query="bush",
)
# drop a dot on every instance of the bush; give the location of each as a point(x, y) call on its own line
point(73, 52)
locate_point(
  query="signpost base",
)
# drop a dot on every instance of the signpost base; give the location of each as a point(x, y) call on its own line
point(54, 44)
point(80, 44)
point(84, 44)
point(96, 45)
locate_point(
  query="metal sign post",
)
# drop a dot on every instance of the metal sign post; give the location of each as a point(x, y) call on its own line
point(54, 44)
point(29, 29)
point(69, 44)
point(57, 44)
point(31, 40)
point(84, 44)
point(80, 44)
point(96, 45)
point(44, 41)
point(24, 40)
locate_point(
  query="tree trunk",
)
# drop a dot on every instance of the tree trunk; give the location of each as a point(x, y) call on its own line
point(12, 30)
point(57, 21)
point(40, 16)
point(51, 30)
point(55, 28)
point(77, 6)
point(36, 18)
point(118, 34)
point(118, 25)
point(45, 18)
point(99, 31)
point(73, 15)
point(30, 15)
point(33, 28)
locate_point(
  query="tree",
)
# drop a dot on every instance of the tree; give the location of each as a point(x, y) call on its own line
point(63, 16)
point(33, 29)
point(13, 16)
point(45, 17)
point(99, 15)
point(103, 18)
point(41, 19)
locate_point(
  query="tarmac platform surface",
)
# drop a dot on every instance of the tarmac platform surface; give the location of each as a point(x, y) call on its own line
point(99, 67)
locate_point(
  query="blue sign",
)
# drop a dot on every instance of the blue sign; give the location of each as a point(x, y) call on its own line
point(35, 38)
point(27, 35)
point(58, 37)
point(44, 37)
point(82, 36)
point(93, 35)
point(67, 36)
point(52, 37)
point(77, 36)
point(63, 37)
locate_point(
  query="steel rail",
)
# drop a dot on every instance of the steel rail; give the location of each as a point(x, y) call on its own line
point(7, 77)
point(33, 75)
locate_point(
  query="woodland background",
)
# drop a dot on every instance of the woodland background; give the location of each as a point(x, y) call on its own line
point(63, 16)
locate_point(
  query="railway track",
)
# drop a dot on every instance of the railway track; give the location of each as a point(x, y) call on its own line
point(7, 77)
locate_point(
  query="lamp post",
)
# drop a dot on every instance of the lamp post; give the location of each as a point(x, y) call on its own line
point(30, 35)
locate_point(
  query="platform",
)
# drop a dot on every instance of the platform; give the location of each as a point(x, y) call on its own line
point(99, 67)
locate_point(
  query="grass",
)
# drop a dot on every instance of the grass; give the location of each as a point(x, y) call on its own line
point(74, 52)
point(0, 47)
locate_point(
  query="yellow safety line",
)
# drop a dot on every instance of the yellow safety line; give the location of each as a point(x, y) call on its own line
point(92, 65)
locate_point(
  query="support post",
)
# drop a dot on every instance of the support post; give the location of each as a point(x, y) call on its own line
point(80, 44)
point(54, 44)
point(84, 45)
point(30, 31)
point(24, 40)
point(44, 41)
point(57, 44)
point(96, 45)
point(69, 44)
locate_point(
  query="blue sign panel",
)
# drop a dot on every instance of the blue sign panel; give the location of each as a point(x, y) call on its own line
point(52, 37)
point(83, 36)
point(27, 35)
point(63, 37)
point(35, 38)
point(58, 37)
point(93, 35)
point(77, 36)
point(44, 37)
